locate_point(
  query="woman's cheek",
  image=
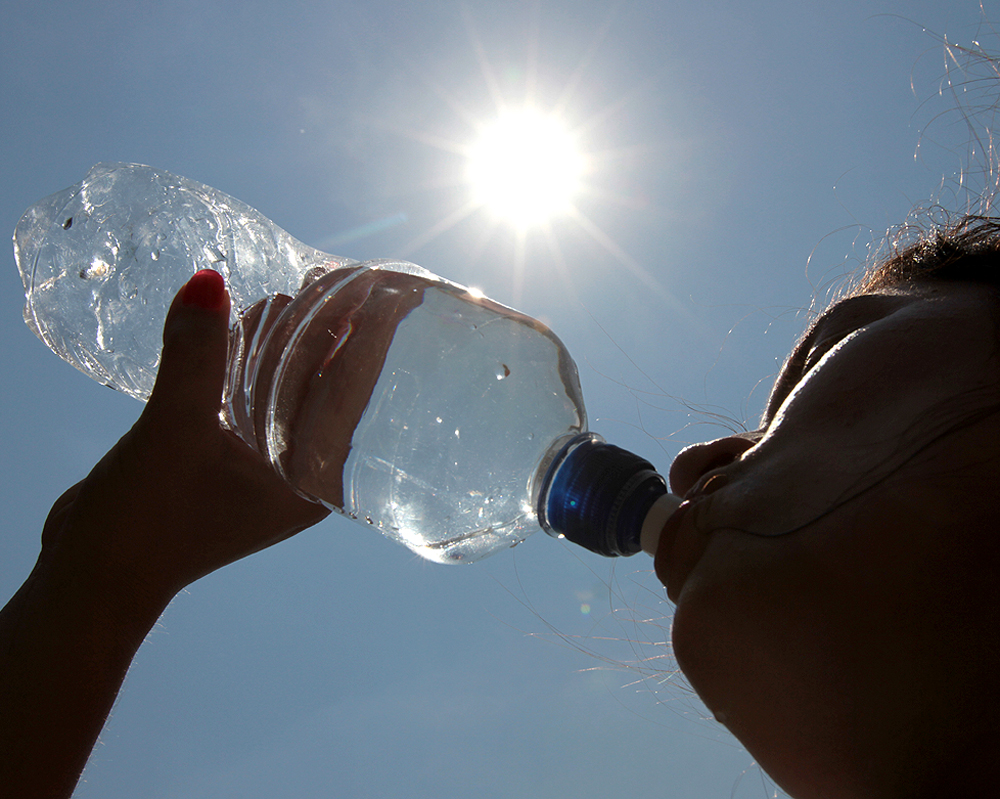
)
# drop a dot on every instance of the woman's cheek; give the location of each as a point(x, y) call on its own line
point(745, 614)
point(759, 655)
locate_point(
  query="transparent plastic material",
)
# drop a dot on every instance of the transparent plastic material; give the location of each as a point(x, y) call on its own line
point(447, 421)
point(408, 403)
point(401, 399)
point(102, 260)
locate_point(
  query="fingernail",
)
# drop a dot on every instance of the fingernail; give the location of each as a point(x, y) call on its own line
point(206, 289)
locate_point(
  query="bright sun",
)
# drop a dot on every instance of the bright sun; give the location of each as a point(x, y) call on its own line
point(525, 168)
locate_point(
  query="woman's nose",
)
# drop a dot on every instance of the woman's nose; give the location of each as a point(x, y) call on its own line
point(699, 459)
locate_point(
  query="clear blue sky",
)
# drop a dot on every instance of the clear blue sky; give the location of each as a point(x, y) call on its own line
point(729, 141)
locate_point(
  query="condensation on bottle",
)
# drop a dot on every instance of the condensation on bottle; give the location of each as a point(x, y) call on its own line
point(444, 420)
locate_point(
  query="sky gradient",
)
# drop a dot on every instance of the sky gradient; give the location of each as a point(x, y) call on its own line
point(740, 158)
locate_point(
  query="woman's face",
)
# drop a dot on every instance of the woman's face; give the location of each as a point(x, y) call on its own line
point(834, 574)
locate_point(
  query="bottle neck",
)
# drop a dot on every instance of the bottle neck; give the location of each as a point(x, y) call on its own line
point(603, 498)
point(656, 517)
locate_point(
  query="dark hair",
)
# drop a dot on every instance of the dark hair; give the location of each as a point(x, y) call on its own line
point(966, 250)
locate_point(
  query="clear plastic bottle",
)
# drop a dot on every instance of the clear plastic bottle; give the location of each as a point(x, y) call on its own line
point(447, 421)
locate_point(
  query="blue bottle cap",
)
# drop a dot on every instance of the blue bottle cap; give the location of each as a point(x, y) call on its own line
point(598, 496)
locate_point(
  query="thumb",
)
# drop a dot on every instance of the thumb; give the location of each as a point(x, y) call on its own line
point(192, 369)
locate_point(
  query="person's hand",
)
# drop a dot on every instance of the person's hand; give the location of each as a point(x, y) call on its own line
point(179, 496)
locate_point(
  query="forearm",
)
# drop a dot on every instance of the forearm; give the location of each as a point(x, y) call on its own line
point(177, 498)
point(66, 641)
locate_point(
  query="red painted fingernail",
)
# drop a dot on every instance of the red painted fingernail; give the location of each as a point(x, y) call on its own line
point(206, 289)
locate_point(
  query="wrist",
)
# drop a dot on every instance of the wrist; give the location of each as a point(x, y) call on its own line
point(67, 637)
point(114, 596)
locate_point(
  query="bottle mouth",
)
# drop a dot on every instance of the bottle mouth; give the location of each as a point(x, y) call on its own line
point(598, 495)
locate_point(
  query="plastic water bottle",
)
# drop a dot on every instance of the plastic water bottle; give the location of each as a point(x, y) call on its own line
point(447, 421)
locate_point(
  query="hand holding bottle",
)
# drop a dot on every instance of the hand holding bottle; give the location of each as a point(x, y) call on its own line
point(446, 421)
point(178, 496)
point(332, 373)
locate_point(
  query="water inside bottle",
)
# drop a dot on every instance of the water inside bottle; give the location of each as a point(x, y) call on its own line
point(420, 408)
point(401, 399)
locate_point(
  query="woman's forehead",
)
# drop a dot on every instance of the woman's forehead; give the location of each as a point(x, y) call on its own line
point(968, 314)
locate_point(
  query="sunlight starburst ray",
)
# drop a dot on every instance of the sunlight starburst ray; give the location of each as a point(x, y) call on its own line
point(437, 229)
point(527, 165)
point(576, 76)
point(559, 260)
point(641, 273)
point(492, 85)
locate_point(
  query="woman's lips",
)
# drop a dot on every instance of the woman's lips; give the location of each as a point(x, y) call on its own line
point(682, 545)
point(673, 553)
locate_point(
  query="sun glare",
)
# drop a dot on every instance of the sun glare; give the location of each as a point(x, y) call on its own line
point(525, 168)
point(524, 165)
